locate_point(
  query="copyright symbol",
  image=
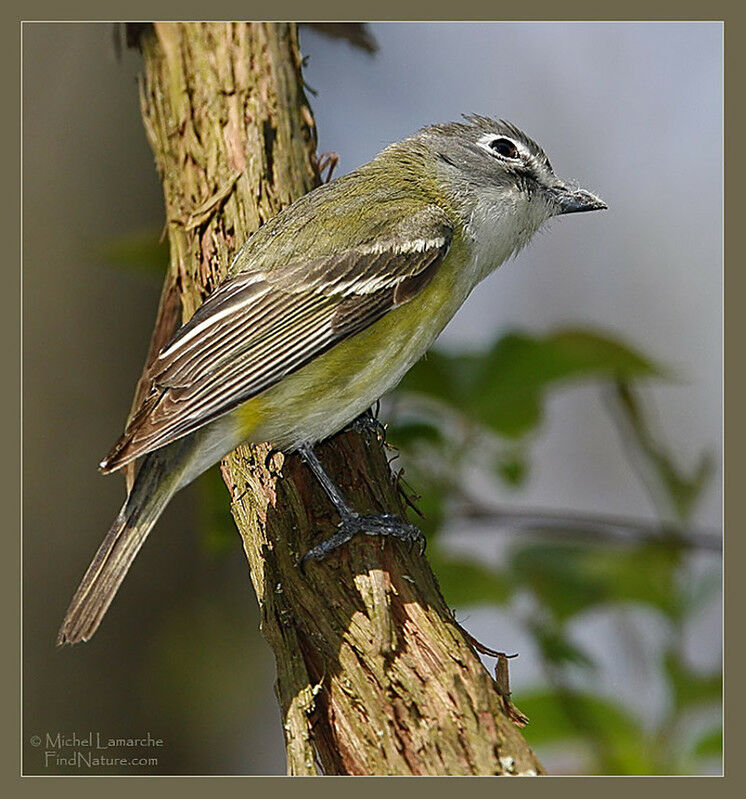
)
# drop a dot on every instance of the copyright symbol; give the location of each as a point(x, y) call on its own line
point(35, 740)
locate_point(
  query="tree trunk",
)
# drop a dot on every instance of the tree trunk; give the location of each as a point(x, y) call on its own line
point(374, 676)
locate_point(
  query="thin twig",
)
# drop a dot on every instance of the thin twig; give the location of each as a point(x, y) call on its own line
point(592, 527)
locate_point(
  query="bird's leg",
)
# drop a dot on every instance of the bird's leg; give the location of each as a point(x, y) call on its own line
point(381, 524)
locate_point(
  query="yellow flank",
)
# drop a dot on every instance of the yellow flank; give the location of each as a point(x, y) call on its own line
point(335, 387)
point(249, 415)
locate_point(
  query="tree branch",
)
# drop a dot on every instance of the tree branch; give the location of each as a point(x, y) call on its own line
point(374, 675)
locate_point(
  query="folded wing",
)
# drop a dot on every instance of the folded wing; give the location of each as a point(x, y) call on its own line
point(259, 326)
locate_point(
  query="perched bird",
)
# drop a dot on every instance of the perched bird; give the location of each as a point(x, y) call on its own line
point(323, 310)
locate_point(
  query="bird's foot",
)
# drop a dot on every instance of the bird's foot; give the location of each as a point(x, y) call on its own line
point(383, 524)
point(368, 424)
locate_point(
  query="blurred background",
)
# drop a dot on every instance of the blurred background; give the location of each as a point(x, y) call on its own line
point(564, 441)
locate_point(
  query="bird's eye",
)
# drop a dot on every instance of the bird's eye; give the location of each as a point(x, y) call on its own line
point(504, 147)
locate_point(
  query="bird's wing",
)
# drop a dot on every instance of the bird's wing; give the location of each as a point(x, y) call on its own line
point(259, 326)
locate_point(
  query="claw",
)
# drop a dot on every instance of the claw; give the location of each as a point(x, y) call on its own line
point(385, 525)
point(368, 423)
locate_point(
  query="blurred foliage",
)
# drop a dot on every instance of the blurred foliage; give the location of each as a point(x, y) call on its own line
point(572, 578)
point(139, 251)
point(675, 493)
point(457, 414)
point(504, 388)
point(618, 743)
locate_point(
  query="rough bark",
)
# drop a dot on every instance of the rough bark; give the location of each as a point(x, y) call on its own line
point(374, 676)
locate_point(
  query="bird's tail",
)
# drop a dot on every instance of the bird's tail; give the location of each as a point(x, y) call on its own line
point(155, 484)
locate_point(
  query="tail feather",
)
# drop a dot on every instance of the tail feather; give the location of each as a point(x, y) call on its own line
point(153, 488)
point(101, 581)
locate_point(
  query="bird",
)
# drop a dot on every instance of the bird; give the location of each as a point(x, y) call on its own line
point(322, 311)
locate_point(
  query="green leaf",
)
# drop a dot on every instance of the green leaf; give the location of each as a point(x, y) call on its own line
point(512, 471)
point(557, 648)
point(569, 578)
point(618, 741)
point(509, 393)
point(406, 435)
point(556, 576)
point(504, 387)
point(679, 490)
point(444, 377)
point(552, 716)
point(710, 744)
point(465, 582)
point(429, 501)
point(690, 687)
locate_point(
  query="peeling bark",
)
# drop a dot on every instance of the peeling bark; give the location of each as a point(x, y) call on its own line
point(374, 675)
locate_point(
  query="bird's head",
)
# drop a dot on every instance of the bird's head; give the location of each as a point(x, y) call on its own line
point(496, 175)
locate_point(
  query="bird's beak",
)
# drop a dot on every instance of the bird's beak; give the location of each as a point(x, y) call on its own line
point(573, 201)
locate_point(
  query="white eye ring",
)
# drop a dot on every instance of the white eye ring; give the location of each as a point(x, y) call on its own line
point(501, 146)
